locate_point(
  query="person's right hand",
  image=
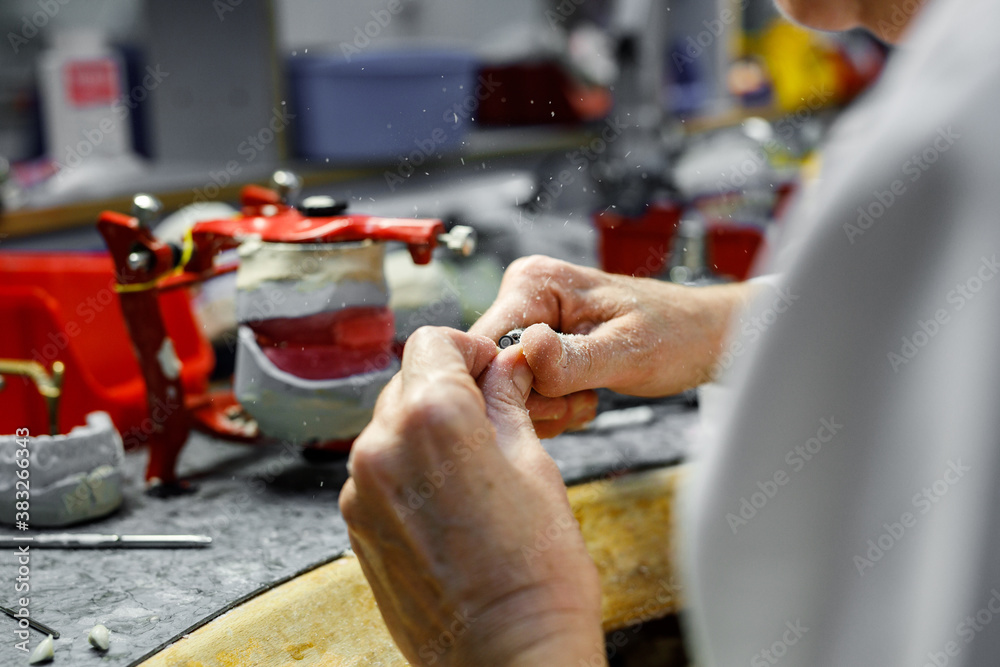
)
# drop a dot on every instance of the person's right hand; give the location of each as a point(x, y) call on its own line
point(635, 336)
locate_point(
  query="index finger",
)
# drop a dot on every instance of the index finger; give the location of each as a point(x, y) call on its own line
point(436, 384)
point(439, 355)
point(529, 294)
point(539, 290)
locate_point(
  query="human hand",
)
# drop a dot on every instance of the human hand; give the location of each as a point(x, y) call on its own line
point(460, 519)
point(635, 336)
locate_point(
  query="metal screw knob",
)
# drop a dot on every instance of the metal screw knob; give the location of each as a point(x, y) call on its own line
point(139, 260)
point(512, 337)
point(146, 208)
point(322, 206)
point(461, 240)
point(287, 184)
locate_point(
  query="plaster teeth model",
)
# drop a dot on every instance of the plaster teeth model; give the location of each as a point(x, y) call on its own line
point(74, 477)
point(99, 637)
point(315, 338)
point(44, 652)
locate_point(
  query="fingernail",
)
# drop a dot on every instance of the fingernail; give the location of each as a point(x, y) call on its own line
point(523, 377)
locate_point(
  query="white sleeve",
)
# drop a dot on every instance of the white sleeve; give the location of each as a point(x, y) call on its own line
point(770, 279)
point(847, 511)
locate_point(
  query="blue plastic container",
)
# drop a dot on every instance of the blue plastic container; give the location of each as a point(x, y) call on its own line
point(388, 105)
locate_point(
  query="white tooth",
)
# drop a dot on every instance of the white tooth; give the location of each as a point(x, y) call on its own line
point(98, 637)
point(44, 652)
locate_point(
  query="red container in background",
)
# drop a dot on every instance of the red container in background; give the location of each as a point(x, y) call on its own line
point(63, 307)
point(637, 246)
point(641, 246)
point(731, 249)
point(540, 93)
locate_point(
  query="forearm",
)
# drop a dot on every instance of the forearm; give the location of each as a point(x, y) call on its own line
point(690, 329)
point(717, 305)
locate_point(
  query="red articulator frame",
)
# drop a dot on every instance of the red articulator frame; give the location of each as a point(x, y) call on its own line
point(264, 217)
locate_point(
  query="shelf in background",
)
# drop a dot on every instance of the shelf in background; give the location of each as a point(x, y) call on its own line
point(178, 187)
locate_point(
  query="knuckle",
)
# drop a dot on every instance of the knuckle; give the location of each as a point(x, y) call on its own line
point(370, 465)
point(434, 410)
point(348, 501)
point(534, 266)
point(424, 334)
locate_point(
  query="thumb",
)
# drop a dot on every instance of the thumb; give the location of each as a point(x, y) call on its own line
point(564, 363)
point(506, 384)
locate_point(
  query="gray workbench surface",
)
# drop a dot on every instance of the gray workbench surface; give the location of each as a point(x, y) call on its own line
point(271, 514)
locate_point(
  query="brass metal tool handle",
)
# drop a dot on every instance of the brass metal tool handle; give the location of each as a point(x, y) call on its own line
point(49, 386)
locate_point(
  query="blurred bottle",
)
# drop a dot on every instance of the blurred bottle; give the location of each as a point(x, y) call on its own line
point(81, 83)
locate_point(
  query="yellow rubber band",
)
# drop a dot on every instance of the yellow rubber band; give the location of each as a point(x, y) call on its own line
point(187, 251)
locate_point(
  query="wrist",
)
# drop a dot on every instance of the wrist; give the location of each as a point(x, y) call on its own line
point(570, 649)
point(714, 309)
point(551, 640)
point(554, 626)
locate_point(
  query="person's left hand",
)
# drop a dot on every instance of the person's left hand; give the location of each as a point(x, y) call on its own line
point(460, 519)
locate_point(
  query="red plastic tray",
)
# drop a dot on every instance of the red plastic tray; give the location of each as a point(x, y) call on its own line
point(63, 306)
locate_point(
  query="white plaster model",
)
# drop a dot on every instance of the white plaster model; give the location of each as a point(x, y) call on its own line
point(309, 266)
point(299, 410)
point(74, 477)
point(285, 280)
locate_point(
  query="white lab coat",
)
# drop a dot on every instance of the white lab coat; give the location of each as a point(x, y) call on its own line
point(846, 511)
